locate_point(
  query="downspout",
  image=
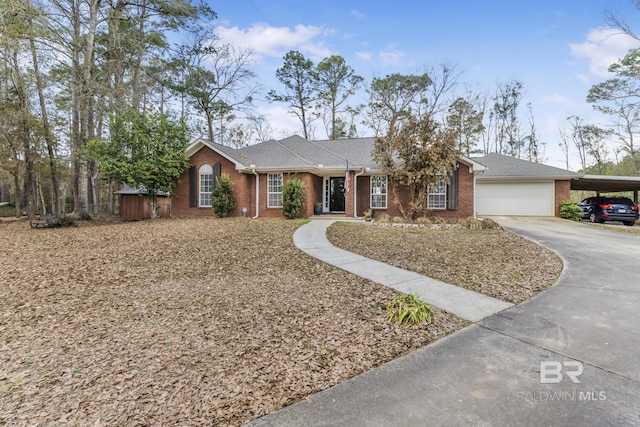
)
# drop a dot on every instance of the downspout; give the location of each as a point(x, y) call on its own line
point(253, 170)
point(475, 212)
point(355, 192)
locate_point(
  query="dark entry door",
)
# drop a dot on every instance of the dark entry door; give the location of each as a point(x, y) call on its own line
point(336, 194)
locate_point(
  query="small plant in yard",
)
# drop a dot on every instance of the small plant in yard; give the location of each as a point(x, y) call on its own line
point(489, 224)
point(382, 219)
point(407, 309)
point(570, 210)
point(423, 220)
point(293, 195)
point(474, 223)
point(222, 197)
point(438, 220)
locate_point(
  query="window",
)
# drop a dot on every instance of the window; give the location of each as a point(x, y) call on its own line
point(274, 190)
point(379, 192)
point(206, 185)
point(437, 196)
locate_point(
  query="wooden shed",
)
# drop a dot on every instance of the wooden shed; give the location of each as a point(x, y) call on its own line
point(134, 206)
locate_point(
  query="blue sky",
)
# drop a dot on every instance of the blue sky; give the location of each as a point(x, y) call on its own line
point(557, 49)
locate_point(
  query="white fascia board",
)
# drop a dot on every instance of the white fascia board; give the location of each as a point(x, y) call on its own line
point(473, 165)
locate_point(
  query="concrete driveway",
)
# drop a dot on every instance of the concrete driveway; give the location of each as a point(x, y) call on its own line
point(570, 356)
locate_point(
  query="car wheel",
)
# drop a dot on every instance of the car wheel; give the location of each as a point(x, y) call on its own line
point(629, 223)
point(593, 218)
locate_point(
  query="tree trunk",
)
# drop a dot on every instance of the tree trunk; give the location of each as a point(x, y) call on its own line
point(83, 191)
point(48, 136)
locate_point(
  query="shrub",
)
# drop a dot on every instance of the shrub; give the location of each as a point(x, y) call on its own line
point(222, 197)
point(293, 195)
point(407, 309)
point(489, 224)
point(398, 220)
point(438, 220)
point(570, 210)
point(474, 223)
point(383, 219)
point(423, 220)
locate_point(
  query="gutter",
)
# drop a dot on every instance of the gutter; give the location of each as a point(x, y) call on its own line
point(355, 192)
point(253, 170)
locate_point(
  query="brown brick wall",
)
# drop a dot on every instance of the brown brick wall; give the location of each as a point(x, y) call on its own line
point(563, 192)
point(244, 190)
point(242, 186)
point(465, 198)
point(312, 183)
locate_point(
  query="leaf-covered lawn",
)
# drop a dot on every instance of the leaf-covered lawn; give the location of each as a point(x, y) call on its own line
point(493, 262)
point(190, 321)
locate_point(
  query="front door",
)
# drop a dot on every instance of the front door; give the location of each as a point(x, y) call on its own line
point(336, 194)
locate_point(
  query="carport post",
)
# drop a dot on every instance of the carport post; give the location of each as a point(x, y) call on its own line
point(635, 196)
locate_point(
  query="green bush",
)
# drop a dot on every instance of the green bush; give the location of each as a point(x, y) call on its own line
point(222, 197)
point(407, 309)
point(570, 210)
point(293, 195)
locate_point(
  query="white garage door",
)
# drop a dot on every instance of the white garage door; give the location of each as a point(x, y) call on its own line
point(521, 199)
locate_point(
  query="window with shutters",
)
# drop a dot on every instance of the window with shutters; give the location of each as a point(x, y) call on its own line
point(437, 195)
point(379, 192)
point(206, 185)
point(274, 190)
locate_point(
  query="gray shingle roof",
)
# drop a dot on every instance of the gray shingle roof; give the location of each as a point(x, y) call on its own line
point(296, 153)
point(499, 165)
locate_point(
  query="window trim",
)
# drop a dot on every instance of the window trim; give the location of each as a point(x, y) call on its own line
point(385, 187)
point(203, 171)
point(280, 177)
point(442, 195)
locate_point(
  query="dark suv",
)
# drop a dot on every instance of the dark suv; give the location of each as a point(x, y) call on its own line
point(601, 209)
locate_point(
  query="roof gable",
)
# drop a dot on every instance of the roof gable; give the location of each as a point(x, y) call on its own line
point(231, 154)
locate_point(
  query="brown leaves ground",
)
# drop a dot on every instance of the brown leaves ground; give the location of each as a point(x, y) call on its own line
point(493, 262)
point(180, 322)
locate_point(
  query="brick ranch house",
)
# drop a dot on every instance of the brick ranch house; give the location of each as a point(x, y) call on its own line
point(258, 173)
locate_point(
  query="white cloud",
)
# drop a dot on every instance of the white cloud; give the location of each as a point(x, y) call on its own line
point(366, 56)
point(603, 47)
point(560, 100)
point(357, 14)
point(391, 57)
point(266, 40)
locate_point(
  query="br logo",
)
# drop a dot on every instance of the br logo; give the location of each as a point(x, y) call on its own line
point(552, 372)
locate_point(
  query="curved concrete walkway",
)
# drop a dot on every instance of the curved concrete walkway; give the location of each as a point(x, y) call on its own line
point(311, 238)
point(489, 374)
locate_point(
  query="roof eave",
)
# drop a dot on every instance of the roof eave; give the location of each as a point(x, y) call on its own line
point(528, 178)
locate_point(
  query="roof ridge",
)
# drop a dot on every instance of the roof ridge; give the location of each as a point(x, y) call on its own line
point(279, 142)
point(326, 150)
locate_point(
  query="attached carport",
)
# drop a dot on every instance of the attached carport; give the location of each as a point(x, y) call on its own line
point(607, 184)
